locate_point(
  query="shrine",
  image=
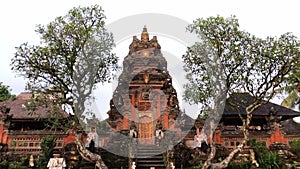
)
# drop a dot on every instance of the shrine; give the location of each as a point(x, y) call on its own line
point(145, 104)
point(271, 123)
point(21, 132)
point(145, 99)
point(145, 107)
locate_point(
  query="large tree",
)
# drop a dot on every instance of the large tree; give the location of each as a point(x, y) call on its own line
point(293, 97)
point(292, 90)
point(227, 60)
point(74, 54)
point(5, 92)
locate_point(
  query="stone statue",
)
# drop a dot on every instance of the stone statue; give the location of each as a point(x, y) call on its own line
point(134, 45)
point(4, 117)
point(273, 119)
point(133, 165)
point(144, 43)
point(145, 35)
point(172, 165)
point(31, 161)
point(154, 43)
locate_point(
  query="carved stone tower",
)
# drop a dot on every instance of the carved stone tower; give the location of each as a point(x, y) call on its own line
point(144, 99)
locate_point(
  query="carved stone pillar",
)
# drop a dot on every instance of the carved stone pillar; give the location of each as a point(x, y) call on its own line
point(158, 107)
point(125, 122)
point(165, 121)
point(133, 113)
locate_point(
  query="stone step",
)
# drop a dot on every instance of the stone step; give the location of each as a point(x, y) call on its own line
point(144, 153)
point(152, 150)
point(149, 161)
point(151, 165)
point(149, 156)
point(154, 147)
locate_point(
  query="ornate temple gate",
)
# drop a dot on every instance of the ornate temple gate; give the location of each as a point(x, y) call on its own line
point(151, 91)
point(146, 128)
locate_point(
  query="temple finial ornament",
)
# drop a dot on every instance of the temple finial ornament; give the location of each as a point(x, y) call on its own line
point(145, 28)
point(144, 43)
point(145, 35)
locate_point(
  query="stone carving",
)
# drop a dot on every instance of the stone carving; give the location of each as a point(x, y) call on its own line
point(133, 165)
point(144, 43)
point(273, 119)
point(4, 115)
point(158, 125)
point(144, 78)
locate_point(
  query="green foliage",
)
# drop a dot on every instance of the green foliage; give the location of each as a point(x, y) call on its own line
point(200, 165)
point(242, 165)
point(265, 158)
point(74, 54)
point(293, 81)
point(47, 146)
point(228, 60)
point(217, 55)
point(241, 60)
point(4, 164)
point(295, 147)
point(260, 148)
point(5, 93)
point(270, 161)
point(24, 161)
point(291, 100)
point(16, 165)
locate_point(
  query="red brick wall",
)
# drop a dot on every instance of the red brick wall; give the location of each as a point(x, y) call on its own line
point(125, 122)
point(3, 136)
point(276, 136)
point(69, 139)
point(1, 133)
point(165, 121)
point(118, 127)
point(217, 137)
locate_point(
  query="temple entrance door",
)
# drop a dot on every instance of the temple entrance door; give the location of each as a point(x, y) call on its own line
point(146, 129)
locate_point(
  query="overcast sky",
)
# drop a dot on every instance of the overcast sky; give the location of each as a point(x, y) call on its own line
point(19, 18)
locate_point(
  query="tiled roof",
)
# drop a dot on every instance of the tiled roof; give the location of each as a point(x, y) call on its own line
point(242, 100)
point(19, 110)
point(290, 127)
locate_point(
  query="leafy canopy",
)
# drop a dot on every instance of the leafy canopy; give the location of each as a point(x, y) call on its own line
point(5, 93)
point(243, 62)
point(228, 60)
point(73, 56)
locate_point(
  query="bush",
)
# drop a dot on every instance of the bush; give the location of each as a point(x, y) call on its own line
point(242, 165)
point(4, 164)
point(265, 158)
point(295, 147)
point(16, 165)
point(270, 161)
point(24, 161)
point(47, 146)
point(260, 148)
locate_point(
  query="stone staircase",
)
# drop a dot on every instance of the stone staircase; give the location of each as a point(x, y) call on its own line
point(149, 156)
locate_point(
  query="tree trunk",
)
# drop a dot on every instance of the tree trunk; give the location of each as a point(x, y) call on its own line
point(89, 156)
point(224, 164)
point(211, 156)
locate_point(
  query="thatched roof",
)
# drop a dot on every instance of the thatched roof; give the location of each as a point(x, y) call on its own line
point(18, 108)
point(290, 127)
point(242, 100)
